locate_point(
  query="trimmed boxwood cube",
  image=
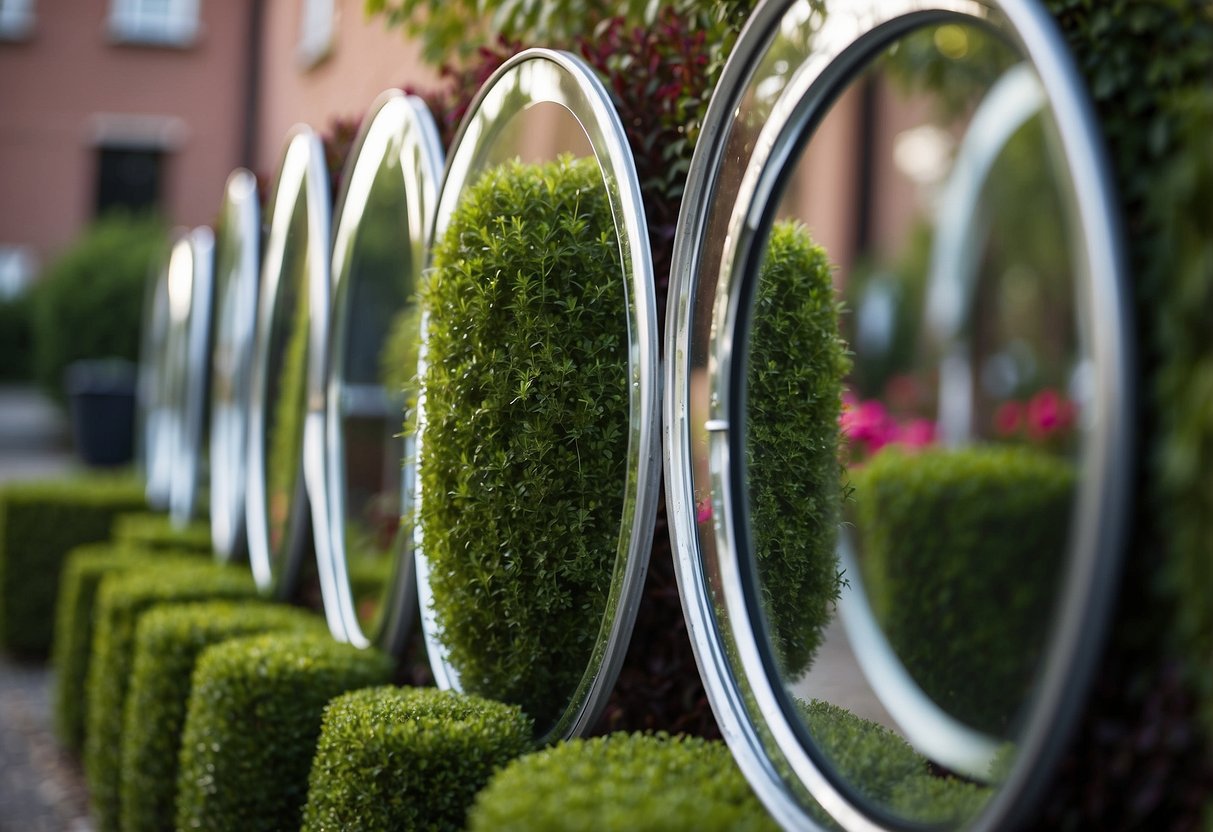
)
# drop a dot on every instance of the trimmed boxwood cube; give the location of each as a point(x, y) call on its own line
point(168, 640)
point(621, 782)
point(252, 723)
point(408, 758)
point(960, 552)
point(121, 600)
point(39, 524)
point(74, 616)
point(152, 530)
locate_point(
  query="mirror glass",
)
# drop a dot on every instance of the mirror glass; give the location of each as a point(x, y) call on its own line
point(294, 274)
point(237, 276)
point(898, 386)
point(379, 251)
point(538, 413)
point(189, 471)
point(155, 456)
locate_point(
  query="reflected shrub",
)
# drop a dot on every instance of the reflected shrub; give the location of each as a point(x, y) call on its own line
point(526, 433)
point(285, 421)
point(155, 530)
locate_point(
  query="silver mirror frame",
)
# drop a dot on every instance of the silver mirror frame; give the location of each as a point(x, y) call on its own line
point(153, 455)
point(173, 371)
point(235, 314)
point(188, 467)
point(400, 124)
point(785, 774)
point(548, 76)
point(302, 172)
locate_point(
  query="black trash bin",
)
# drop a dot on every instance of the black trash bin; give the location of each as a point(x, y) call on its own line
point(101, 403)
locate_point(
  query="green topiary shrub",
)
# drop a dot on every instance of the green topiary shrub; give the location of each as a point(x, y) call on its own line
point(83, 570)
point(618, 782)
point(526, 432)
point(153, 530)
point(408, 758)
point(106, 269)
point(168, 640)
point(121, 600)
point(793, 395)
point(252, 723)
point(942, 536)
point(39, 524)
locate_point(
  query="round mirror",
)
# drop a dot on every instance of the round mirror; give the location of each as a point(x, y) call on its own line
point(155, 456)
point(379, 251)
point(188, 467)
point(537, 418)
point(898, 408)
point(238, 247)
point(292, 318)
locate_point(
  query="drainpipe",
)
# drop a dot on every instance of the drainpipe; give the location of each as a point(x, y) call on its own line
point(252, 83)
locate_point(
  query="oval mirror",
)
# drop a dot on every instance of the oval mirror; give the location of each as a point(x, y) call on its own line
point(898, 409)
point(155, 457)
point(189, 461)
point(379, 250)
point(292, 318)
point(237, 277)
point(537, 428)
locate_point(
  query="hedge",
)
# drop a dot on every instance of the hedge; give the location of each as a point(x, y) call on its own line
point(793, 395)
point(960, 551)
point(121, 600)
point(251, 726)
point(168, 640)
point(40, 522)
point(154, 530)
point(621, 782)
point(83, 570)
point(408, 758)
point(526, 430)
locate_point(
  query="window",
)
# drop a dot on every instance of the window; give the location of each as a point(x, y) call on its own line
point(16, 19)
point(315, 32)
point(156, 22)
point(17, 269)
point(129, 178)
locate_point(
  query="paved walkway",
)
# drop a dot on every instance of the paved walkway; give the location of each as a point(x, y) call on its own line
point(41, 787)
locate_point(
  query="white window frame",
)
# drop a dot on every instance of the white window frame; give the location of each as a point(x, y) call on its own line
point(317, 30)
point(16, 19)
point(154, 22)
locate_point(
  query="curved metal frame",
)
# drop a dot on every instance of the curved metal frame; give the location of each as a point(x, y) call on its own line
point(302, 171)
point(188, 468)
point(750, 707)
point(154, 457)
point(400, 125)
point(231, 365)
point(563, 79)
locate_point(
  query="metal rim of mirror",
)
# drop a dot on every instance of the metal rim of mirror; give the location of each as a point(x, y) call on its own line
point(237, 277)
point(153, 456)
point(538, 76)
point(403, 126)
point(752, 716)
point(302, 174)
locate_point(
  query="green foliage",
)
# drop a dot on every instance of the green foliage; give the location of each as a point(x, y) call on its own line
point(794, 388)
point(251, 726)
point(39, 524)
point(526, 432)
point(629, 782)
point(16, 338)
point(121, 600)
point(155, 530)
point(89, 302)
point(942, 536)
point(286, 420)
point(408, 758)
point(83, 570)
point(168, 640)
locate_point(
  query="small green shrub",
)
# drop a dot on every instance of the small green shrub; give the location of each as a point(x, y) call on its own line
point(168, 640)
point(408, 758)
point(89, 302)
point(794, 388)
point(154, 530)
point(252, 723)
point(83, 570)
point(943, 536)
point(618, 782)
point(526, 432)
point(121, 600)
point(16, 338)
point(39, 524)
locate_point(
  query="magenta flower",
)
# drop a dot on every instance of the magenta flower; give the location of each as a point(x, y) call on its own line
point(1048, 413)
point(1009, 418)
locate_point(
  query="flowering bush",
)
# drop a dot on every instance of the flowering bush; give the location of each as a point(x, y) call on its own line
point(1044, 418)
point(869, 425)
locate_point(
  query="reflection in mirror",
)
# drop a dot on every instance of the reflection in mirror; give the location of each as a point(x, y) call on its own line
point(294, 275)
point(378, 254)
point(154, 455)
point(897, 326)
point(537, 412)
point(189, 469)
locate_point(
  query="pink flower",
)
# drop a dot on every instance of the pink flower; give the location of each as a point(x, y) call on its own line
point(1048, 413)
point(917, 433)
point(703, 511)
point(1009, 418)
